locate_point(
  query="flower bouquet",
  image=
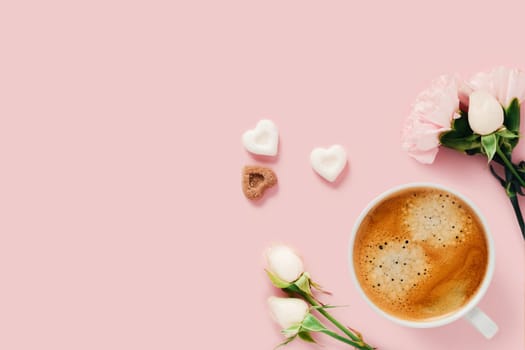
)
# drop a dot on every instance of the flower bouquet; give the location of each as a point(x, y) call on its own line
point(477, 116)
point(295, 314)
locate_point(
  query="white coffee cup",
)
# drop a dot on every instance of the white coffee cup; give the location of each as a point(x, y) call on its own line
point(469, 311)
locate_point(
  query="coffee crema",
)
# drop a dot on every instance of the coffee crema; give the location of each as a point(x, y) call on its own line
point(420, 254)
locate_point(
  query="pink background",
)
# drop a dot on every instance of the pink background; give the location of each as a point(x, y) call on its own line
point(122, 221)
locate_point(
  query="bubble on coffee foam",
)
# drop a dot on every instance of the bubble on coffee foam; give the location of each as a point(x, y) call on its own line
point(394, 268)
point(437, 219)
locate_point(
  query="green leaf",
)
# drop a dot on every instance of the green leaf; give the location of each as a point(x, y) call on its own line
point(509, 189)
point(512, 123)
point(307, 337)
point(461, 126)
point(473, 151)
point(506, 145)
point(288, 340)
point(463, 143)
point(489, 144)
point(276, 281)
point(319, 287)
point(512, 116)
point(303, 283)
point(312, 324)
point(291, 331)
point(461, 137)
point(507, 134)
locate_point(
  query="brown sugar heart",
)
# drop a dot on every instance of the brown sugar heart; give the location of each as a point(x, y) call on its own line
point(256, 180)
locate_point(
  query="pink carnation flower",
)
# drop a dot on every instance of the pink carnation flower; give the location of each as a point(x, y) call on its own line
point(503, 83)
point(431, 115)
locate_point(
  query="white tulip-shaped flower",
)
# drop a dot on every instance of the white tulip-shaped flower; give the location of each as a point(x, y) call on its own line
point(286, 272)
point(485, 114)
point(288, 312)
point(284, 263)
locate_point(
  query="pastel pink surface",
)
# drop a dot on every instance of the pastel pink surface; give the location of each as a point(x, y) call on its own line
point(123, 224)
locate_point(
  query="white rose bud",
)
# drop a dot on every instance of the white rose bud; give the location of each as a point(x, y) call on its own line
point(284, 263)
point(485, 114)
point(287, 312)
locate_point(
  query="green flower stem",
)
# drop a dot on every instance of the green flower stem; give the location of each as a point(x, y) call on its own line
point(510, 166)
point(359, 343)
point(343, 339)
point(517, 211)
point(510, 172)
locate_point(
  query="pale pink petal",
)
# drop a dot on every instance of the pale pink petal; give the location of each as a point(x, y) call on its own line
point(500, 84)
point(425, 157)
point(503, 83)
point(431, 115)
point(438, 103)
point(426, 136)
point(481, 81)
point(428, 139)
point(421, 139)
point(464, 92)
point(509, 84)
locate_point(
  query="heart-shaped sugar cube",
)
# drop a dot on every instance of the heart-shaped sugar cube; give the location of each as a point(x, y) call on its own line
point(263, 140)
point(329, 162)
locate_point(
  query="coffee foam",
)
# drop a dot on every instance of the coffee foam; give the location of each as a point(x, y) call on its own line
point(393, 270)
point(420, 254)
point(435, 218)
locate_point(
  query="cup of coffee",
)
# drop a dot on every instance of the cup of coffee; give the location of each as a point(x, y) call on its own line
point(422, 256)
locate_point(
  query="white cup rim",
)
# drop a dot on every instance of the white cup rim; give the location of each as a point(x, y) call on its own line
point(458, 313)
